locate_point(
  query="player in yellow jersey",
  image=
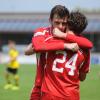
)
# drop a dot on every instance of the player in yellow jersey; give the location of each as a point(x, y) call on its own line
point(12, 67)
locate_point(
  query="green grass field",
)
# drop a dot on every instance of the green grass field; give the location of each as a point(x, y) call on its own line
point(90, 88)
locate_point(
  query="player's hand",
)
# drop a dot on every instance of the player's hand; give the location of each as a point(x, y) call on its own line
point(58, 34)
point(71, 46)
point(70, 32)
point(29, 50)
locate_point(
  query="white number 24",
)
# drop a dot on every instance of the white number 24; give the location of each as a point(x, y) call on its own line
point(69, 64)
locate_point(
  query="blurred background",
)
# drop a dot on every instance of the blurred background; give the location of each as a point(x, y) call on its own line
point(19, 18)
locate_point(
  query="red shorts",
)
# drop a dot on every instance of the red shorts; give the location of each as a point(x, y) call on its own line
point(36, 93)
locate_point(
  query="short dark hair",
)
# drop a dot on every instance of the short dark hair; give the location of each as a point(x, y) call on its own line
point(77, 22)
point(60, 10)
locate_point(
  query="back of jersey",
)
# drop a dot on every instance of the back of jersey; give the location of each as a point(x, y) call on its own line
point(62, 73)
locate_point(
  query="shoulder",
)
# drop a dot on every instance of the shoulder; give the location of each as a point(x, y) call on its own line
point(41, 31)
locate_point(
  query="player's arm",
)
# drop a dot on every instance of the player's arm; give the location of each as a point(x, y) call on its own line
point(42, 44)
point(85, 68)
point(81, 41)
point(82, 76)
point(29, 50)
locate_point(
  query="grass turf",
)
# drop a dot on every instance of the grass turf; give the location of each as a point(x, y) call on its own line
point(90, 88)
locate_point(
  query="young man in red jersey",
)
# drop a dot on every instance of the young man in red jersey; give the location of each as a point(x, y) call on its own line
point(36, 90)
point(64, 69)
point(63, 14)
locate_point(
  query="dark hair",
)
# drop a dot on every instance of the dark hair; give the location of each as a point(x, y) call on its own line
point(77, 22)
point(60, 10)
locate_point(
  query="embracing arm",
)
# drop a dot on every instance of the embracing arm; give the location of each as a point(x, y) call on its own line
point(42, 44)
point(81, 41)
point(70, 37)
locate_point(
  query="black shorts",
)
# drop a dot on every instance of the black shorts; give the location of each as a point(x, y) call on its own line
point(13, 71)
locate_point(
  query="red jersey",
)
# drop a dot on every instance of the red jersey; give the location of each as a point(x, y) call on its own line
point(62, 67)
point(40, 66)
point(44, 41)
point(62, 73)
point(36, 91)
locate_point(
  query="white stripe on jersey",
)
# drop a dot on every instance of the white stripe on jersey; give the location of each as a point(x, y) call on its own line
point(38, 57)
point(48, 38)
point(40, 33)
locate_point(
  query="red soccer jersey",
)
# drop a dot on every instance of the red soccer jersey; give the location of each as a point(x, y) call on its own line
point(62, 69)
point(36, 91)
point(62, 73)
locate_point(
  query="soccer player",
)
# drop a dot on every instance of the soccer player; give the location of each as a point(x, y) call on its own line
point(12, 67)
point(36, 90)
point(63, 14)
point(65, 69)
